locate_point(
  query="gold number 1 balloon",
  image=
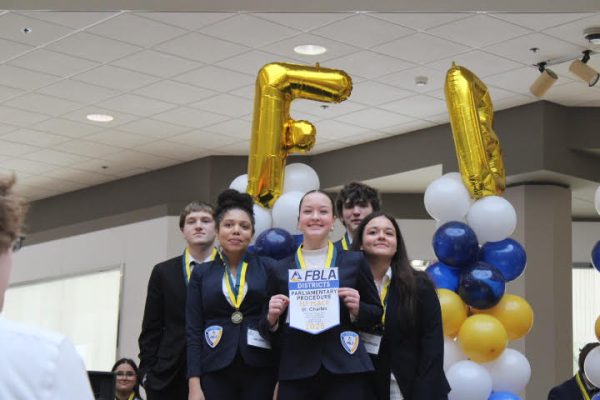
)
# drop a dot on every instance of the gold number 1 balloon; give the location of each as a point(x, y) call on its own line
point(274, 133)
point(477, 146)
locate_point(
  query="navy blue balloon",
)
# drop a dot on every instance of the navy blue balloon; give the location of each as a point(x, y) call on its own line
point(596, 397)
point(507, 255)
point(503, 396)
point(596, 256)
point(481, 285)
point(251, 249)
point(444, 276)
point(455, 244)
point(276, 243)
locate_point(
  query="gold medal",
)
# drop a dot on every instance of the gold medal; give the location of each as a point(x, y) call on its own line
point(237, 317)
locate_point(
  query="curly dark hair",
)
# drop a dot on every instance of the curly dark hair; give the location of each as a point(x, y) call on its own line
point(356, 193)
point(231, 199)
point(12, 214)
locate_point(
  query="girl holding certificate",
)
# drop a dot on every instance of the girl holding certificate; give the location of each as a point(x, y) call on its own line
point(408, 345)
point(332, 364)
point(227, 357)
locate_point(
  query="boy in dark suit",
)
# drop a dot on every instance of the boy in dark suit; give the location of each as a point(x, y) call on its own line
point(354, 202)
point(578, 387)
point(162, 341)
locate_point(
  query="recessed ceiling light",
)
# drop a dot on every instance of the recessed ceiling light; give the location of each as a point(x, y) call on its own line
point(310, 49)
point(100, 117)
point(421, 81)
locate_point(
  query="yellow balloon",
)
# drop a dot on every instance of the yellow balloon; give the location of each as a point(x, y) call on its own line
point(514, 312)
point(598, 327)
point(274, 133)
point(482, 338)
point(454, 311)
point(477, 147)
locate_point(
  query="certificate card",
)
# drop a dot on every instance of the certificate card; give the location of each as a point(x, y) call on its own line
point(314, 303)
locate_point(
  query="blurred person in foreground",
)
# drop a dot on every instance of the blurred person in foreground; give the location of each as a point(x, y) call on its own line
point(34, 363)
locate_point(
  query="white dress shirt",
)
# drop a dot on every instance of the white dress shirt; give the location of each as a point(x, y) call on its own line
point(39, 365)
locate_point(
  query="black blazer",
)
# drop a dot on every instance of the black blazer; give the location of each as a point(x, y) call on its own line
point(568, 390)
point(207, 306)
point(303, 354)
point(162, 340)
point(414, 356)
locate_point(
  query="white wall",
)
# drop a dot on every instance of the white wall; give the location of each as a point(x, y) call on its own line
point(138, 247)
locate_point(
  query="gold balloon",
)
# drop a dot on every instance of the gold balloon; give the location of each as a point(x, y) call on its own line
point(514, 312)
point(477, 146)
point(598, 327)
point(482, 338)
point(454, 311)
point(274, 133)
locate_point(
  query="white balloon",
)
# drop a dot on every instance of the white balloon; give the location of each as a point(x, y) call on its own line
point(492, 218)
point(591, 366)
point(597, 200)
point(300, 178)
point(240, 183)
point(454, 176)
point(447, 199)
point(262, 219)
point(510, 372)
point(452, 353)
point(285, 212)
point(469, 381)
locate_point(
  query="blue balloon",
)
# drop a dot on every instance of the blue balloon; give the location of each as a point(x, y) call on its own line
point(596, 396)
point(444, 276)
point(276, 243)
point(481, 285)
point(455, 244)
point(507, 255)
point(503, 396)
point(251, 249)
point(596, 256)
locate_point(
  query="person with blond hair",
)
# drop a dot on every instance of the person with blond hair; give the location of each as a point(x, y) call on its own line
point(34, 363)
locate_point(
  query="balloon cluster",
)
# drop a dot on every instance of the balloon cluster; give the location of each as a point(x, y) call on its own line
point(591, 366)
point(276, 229)
point(478, 317)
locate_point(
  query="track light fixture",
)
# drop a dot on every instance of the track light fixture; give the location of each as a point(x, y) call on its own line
point(583, 71)
point(544, 82)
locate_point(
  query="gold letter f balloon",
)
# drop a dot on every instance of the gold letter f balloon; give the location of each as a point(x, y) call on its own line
point(274, 133)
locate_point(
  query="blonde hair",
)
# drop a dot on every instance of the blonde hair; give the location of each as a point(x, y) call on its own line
point(12, 214)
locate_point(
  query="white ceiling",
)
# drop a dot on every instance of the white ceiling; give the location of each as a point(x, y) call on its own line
point(181, 85)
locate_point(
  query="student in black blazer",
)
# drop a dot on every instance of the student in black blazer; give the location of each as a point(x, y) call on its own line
point(578, 387)
point(408, 346)
point(354, 202)
point(227, 357)
point(162, 340)
point(320, 366)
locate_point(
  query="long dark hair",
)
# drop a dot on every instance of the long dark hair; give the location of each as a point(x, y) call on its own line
point(132, 364)
point(404, 277)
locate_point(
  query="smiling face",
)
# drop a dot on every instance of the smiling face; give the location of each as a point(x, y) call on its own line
point(352, 215)
point(126, 378)
point(379, 238)
point(235, 232)
point(316, 216)
point(199, 228)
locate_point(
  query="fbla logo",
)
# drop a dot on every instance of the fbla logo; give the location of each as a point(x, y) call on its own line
point(213, 335)
point(296, 277)
point(349, 341)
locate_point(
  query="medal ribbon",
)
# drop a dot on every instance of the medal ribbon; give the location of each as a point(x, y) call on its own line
point(345, 241)
point(131, 396)
point(383, 296)
point(235, 292)
point(582, 388)
point(329, 261)
point(187, 261)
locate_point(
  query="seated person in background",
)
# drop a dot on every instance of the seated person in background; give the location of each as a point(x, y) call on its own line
point(127, 383)
point(578, 387)
point(354, 202)
point(34, 364)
